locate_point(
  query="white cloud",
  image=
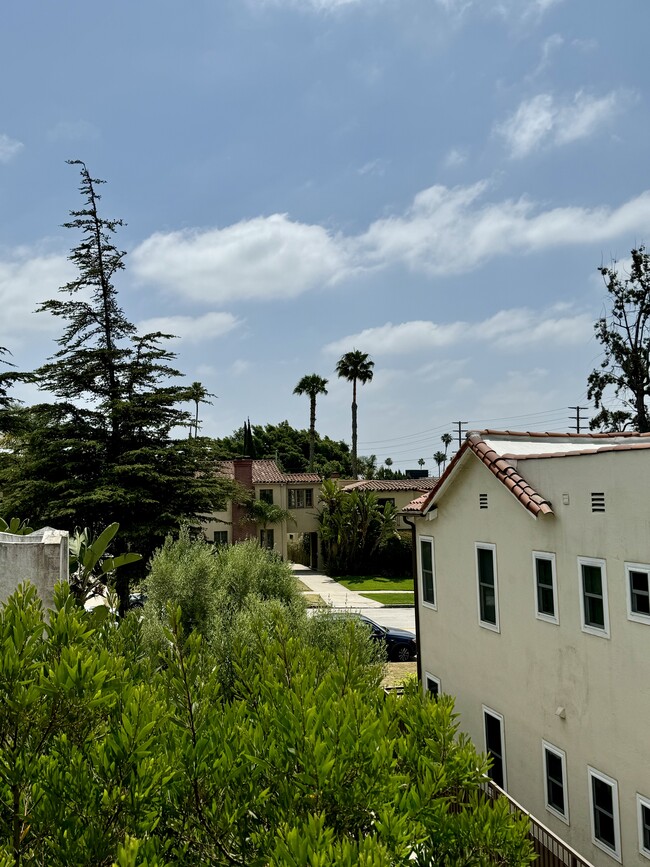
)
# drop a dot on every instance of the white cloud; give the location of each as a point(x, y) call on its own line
point(192, 329)
point(374, 167)
point(266, 257)
point(507, 330)
point(9, 148)
point(240, 366)
point(446, 230)
point(544, 120)
point(454, 158)
point(27, 278)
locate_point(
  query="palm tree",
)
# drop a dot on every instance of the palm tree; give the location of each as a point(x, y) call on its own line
point(447, 440)
point(440, 458)
point(198, 394)
point(311, 385)
point(355, 366)
point(389, 462)
point(421, 462)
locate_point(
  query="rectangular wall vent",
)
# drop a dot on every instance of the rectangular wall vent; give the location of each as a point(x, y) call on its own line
point(483, 501)
point(597, 501)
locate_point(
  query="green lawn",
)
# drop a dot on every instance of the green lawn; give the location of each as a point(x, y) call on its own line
point(391, 598)
point(302, 585)
point(313, 600)
point(369, 582)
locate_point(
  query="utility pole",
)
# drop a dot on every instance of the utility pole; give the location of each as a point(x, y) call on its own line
point(576, 417)
point(461, 433)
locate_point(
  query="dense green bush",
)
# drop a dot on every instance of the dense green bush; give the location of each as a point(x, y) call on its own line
point(112, 753)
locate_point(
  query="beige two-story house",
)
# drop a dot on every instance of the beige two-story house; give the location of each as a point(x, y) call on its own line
point(533, 581)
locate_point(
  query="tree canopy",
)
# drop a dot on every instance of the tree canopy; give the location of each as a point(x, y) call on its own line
point(117, 748)
point(289, 447)
point(624, 333)
point(108, 449)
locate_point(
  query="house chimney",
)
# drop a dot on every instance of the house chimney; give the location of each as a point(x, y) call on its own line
point(241, 529)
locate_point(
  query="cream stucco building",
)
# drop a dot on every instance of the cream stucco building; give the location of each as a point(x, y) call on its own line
point(533, 555)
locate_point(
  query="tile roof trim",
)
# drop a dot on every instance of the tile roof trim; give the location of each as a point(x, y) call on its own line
point(618, 447)
point(486, 434)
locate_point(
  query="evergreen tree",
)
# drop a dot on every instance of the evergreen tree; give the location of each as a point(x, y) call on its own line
point(106, 451)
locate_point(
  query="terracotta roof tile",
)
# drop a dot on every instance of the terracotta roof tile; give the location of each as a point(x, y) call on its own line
point(423, 484)
point(508, 475)
point(267, 471)
point(415, 505)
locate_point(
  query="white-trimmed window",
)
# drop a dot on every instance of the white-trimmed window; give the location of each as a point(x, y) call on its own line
point(220, 537)
point(495, 745)
point(426, 568)
point(643, 812)
point(555, 785)
point(603, 803)
point(593, 596)
point(545, 579)
point(486, 580)
point(637, 576)
point(432, 684)
point(300, 498)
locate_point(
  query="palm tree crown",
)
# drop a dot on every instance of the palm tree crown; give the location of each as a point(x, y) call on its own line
point(312, 385)
point(355, 366)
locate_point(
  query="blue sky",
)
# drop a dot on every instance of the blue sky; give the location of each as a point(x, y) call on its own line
point(434, 182)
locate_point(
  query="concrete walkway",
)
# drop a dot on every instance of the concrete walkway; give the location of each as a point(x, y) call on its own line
point(337, 596)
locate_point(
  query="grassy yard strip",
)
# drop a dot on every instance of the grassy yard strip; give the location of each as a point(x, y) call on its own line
point(370, 582)
point(301, 585)
point(399, 598)
point(313, 600)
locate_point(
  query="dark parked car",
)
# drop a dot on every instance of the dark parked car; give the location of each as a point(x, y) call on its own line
point(400, 643)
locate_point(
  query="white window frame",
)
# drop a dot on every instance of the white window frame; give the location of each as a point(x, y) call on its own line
point(599, 775)
point(488, 546)
point(547, 618)
point(561, 755)
point(640, 803)
point(427, 677)
point(602, 564)
point(502, 727)
point(432, 605)
point(634, 615)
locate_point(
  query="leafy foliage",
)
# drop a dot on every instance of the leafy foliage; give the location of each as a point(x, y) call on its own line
point(91, 567)
point(290, 448)
point(112, 755)
point(107, 451)
point(353, 528)
point(625, 337)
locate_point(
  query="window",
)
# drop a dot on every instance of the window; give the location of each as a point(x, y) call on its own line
point(266, 539)
point(488, 602)
point(381, 501)
point(555, 781)
point(643, 809)
point(638, 597)
point(433, 684)
point(603, 800)
point(300, 498)
point(220, 537)
point(593, 596)
point(266, 495)
point(545, 586)
point(494, 745)
point(427, 574)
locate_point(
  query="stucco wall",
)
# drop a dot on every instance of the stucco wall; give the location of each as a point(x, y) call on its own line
point(41, 558)
point(531, 668)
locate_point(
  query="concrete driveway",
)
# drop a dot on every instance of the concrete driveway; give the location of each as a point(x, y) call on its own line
point(339, 597)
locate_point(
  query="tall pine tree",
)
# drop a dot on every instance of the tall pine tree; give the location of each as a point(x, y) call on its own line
point(109, 449)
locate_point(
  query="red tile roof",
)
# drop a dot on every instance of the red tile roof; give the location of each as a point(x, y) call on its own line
point(423, 484)
point(415, 505)
point(503, 463)
point(268, 472)
point(508, 475)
